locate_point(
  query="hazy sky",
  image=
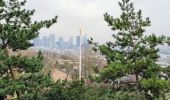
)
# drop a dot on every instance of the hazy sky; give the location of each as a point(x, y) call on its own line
point(88, 14)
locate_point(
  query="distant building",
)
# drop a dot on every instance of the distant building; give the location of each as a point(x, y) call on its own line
point(85, 39)
point(78, 41)
point(164, 54)
point(45, 41)
point(52, 41)
point(60, 42)
point(36, 41)
point(71, 42)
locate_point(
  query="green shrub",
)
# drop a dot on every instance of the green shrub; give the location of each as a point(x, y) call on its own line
point(78, 90)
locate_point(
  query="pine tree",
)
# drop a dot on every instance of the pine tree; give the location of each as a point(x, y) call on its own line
point(133, 52)
point(20, 74)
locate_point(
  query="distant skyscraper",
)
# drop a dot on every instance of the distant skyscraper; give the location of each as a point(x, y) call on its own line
point(60, 42)
point(85, 39)
point(52, 41)
point(77, 41)
point(36, 41)
point(45, 41)
point(71, 42)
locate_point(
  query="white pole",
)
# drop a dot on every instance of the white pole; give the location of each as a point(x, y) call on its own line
point(80, 69)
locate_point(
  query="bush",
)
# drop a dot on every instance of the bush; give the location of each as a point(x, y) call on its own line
point(78, 90)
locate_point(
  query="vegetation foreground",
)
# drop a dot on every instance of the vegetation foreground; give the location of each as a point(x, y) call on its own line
point(132, 53)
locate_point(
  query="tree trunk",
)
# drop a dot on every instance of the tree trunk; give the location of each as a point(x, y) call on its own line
point(137, 86)
point(3, 97)
point(11, 70)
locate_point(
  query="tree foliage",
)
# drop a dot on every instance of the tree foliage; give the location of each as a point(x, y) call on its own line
point(132, 51)
point(78, 90)
point(20, 74)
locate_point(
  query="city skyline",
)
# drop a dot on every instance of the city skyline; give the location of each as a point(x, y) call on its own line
point(59, 42)
point(88, 15)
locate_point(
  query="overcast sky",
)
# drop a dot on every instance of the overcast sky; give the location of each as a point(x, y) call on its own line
point(88, 15)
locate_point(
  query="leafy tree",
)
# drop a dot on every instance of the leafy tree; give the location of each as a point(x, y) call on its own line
point(19, 73)
point(132, 52)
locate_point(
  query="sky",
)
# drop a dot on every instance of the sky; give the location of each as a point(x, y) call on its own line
point(88, 15)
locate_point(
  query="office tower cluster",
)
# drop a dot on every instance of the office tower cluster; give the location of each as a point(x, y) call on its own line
point(54, 42)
